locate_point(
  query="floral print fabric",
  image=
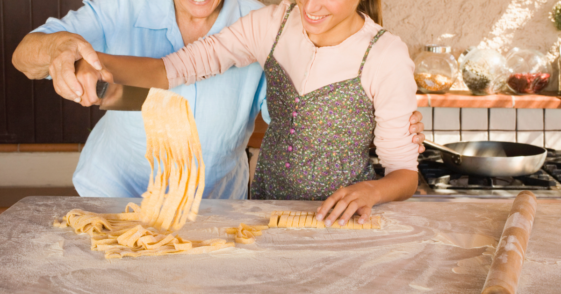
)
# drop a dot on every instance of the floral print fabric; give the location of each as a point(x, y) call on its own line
point(316, 143)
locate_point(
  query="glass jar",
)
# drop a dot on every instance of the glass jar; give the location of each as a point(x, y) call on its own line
point(484, 71)
point(529, 71)
point(436, 69)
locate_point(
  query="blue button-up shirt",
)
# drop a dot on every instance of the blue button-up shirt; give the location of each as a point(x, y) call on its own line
point(113, 162)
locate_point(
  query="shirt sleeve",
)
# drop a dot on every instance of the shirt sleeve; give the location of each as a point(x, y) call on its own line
point(393, 90)
point(87, 22)
point(262, 98)
point(246, 41)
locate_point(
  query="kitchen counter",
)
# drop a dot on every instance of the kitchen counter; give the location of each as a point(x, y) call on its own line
point(466, 99)
point(424, 246)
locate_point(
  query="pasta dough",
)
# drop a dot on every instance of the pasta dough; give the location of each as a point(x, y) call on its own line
point(245, 234)
point(302, 219)
point(173, 196)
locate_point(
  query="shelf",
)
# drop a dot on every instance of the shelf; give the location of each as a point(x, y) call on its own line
point(64, 147)
point(464, 99)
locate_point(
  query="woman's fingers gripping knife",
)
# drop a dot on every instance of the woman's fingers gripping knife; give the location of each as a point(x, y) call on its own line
point(88, 53)
point(64, 79)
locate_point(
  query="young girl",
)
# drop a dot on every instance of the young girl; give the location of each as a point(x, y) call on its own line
point(334, 77)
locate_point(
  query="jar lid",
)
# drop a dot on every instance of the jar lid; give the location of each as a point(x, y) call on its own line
point(438, 48)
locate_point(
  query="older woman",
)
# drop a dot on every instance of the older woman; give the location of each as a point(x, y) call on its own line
point(112, 163)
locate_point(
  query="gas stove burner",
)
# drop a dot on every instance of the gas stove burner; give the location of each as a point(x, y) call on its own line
point(437, 180)
point(430, 154)
point(552, 153)
point(438, 176)
point(553, 168)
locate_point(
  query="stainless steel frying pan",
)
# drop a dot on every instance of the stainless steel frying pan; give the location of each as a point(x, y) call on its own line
point(492, 159)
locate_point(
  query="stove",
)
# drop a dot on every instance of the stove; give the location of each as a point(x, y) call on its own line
point(436, 180)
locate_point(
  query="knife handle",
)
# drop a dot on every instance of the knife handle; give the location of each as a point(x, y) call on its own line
point(101, 89)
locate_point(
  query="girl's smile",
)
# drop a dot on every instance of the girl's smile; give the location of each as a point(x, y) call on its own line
point(314, 19)
point(329, 22)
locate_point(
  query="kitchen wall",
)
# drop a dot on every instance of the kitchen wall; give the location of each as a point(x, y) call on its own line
point(541, 127)
point(495, 24)
point(37, 169)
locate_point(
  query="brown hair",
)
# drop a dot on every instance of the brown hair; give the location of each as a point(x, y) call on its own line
point(372, 8)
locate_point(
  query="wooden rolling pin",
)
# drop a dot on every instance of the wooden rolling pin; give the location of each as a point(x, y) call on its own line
point(509, 257)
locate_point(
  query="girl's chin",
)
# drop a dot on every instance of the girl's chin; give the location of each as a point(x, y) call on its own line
point(313, 29)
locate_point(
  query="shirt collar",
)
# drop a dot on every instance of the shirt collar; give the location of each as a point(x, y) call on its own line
point(160, 14)
point(155, 14)
point(229, 14)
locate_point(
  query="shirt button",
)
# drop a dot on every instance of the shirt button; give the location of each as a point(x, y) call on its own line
point(294, 114)
point(289, 148)
point(287, 165)
point(292, 131)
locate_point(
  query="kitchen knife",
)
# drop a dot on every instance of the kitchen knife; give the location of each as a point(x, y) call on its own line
point(119, 97)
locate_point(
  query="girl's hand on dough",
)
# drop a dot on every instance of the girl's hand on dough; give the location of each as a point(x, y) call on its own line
point(358, 198)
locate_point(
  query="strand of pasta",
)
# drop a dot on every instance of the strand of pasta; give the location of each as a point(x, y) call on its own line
point(173, 195)
point(305, 219)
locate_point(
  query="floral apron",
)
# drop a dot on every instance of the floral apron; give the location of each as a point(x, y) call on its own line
point(316, 143)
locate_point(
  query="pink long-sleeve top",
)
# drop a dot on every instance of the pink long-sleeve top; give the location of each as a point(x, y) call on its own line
point(387, 77)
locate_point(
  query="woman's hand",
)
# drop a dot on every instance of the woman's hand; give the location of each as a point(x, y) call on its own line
point(417, 127)
point(361, 197)
point(39, 55)
point(69, 49)
point(88, 77)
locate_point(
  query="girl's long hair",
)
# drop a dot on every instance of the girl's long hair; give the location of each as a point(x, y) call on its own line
point(372, 8)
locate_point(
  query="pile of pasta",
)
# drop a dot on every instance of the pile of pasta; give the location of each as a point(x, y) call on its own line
point(173, 196)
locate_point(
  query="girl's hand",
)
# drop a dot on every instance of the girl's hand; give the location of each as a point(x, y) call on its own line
point(88, 76)
point(358, 198)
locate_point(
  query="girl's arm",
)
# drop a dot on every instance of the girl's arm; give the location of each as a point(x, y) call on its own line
point(246, 41)
point(126, 70)
point(389, 80)
point(143, 72)
point(361, 197)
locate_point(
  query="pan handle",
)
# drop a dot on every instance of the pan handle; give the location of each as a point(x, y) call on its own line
point(456, 157)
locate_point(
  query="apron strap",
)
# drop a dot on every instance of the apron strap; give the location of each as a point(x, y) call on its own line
point(281, 28)
point(372, 42)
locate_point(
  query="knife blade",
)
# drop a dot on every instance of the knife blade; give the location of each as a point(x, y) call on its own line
point(119, 97)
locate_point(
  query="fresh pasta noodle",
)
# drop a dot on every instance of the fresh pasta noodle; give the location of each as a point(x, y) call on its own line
point(245, 234)
point(173, 196)
point(303, 219)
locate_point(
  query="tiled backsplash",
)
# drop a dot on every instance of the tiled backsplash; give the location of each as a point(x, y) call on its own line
point(540, 127)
